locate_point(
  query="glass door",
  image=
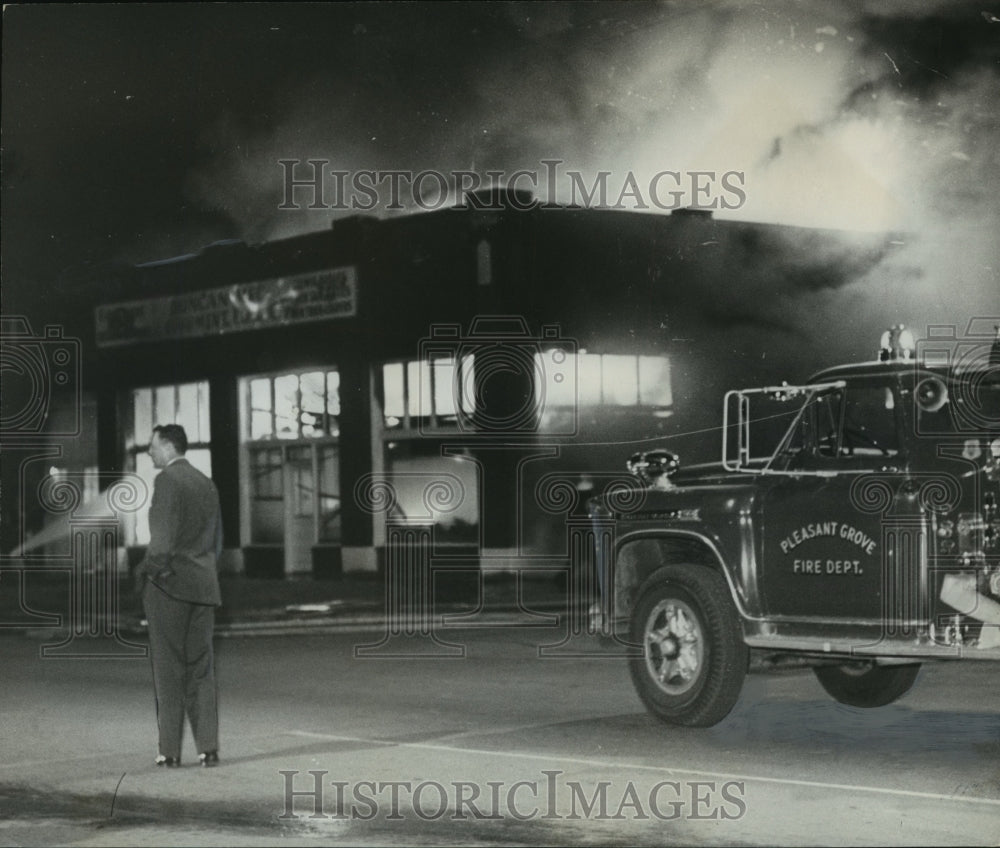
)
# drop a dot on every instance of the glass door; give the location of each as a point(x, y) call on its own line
point(291, 432)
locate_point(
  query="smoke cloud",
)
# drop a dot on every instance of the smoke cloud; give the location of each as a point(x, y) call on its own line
point(839, 118)
point(138, 132)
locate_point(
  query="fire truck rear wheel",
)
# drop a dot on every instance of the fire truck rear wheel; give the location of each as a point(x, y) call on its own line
point(694, 659)
point(867, 685)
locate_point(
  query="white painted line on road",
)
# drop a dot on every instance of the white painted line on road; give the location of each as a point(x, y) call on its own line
point(812, 784)
point(330, 737)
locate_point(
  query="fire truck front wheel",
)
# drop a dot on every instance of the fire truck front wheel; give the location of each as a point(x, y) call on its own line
point(867, 684)
point(694, 659)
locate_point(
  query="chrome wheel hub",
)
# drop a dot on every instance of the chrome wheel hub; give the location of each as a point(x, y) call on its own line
point(674, 645)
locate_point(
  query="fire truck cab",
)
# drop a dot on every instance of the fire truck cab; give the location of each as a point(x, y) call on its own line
point(852, 521)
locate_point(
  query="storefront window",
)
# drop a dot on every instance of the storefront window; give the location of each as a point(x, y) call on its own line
point(620, 380)
point(591, 379)
point(303, 405)
point(413, 465)
point(185, 404)
point(142, 416)
point(303, 483)
point(654, 381)
point(266, 496)
point(287, 412)
point(329, 494)
point(425, 391)
point(421, 392)
point(313, 391)
point(261, 406)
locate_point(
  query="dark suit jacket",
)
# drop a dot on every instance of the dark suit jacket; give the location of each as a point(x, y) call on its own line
point(185, 527)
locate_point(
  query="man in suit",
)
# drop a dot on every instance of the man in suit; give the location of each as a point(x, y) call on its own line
point(179, 584)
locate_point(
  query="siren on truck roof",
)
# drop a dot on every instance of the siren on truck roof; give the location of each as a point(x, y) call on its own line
point(897, 343)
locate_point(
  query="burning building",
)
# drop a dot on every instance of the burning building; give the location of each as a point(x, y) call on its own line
point(477, 371)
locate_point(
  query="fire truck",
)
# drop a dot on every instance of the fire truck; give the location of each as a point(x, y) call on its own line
point(851, 523)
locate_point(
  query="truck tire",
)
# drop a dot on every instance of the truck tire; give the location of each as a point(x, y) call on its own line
point(691, 669)
point(867, 685)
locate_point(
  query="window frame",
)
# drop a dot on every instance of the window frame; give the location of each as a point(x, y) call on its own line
point(134, 448)
point(640, 402)
point(246, 400)
point(445, 423)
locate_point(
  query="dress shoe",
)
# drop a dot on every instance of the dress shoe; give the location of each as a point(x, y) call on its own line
point(209, 759)
point(169, 762)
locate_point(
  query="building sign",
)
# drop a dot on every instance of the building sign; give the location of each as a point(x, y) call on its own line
point(316, 296)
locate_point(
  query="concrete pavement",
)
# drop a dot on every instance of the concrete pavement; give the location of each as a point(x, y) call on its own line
point(78, 739)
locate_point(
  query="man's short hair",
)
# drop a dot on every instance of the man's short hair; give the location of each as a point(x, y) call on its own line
point(174, 434)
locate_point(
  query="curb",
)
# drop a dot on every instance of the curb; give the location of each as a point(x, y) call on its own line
point(280, 625)
point(510, 618)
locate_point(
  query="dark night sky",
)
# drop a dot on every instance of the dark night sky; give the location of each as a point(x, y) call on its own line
point(135, 132)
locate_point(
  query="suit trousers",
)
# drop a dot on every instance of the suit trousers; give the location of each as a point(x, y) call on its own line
point(180, 645)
